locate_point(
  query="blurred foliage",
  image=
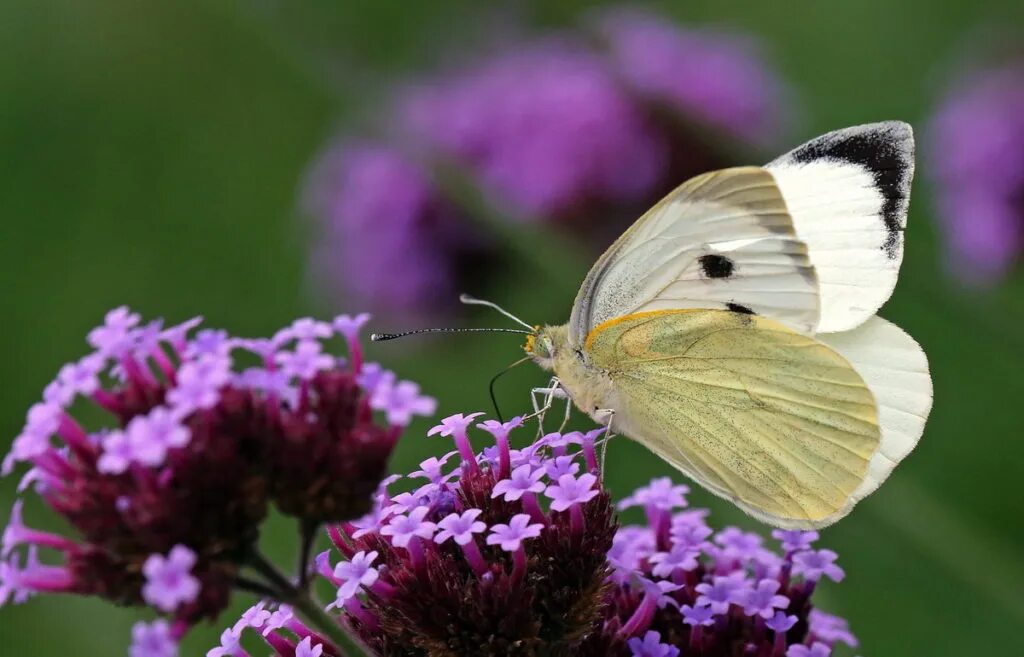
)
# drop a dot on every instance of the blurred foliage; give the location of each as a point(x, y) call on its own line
point(151, 154)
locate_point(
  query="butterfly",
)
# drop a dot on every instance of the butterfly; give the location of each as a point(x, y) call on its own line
point(732, 329)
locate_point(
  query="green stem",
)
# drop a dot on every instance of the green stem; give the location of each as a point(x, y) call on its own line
point(309, 608)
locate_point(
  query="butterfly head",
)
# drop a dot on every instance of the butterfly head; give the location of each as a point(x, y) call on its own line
point(545, 344)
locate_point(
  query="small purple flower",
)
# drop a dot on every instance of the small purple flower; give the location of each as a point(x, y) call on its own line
point(307, 359)
point(570, 491)
point(816, 650)
point(356, 574)
point(660, 494)
point(432, 469)
point(80, 378)
point(150, 436)
point(210, 342)
point(651, 646)
point(722, 591)
point(511, 536)
point(403, 528)
point(763, 599)
point(307, 649)
point(794, 540)
point(524, 479)
point(697, 616)
point(349, 326)
point(460, 528)
point(738, 544)
point(813, 564)
point(153, 640)
point(254, 617)
point(230, 644)
point(117, 453)
point(169, 582)
point(561, 465)
point(280, 617)
point(114, 337)
point(400, 401)
point(781, 622)
point(199, 383)
point(679, 558)
point(830, 629)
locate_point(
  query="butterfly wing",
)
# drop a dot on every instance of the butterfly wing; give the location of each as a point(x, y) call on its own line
point(721, 240)
point(777, 422)
point(813, 240)
point(848, 193)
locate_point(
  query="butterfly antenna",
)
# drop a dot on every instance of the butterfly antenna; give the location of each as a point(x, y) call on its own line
point(494, 380)
point(381, 337)
point(473, 301)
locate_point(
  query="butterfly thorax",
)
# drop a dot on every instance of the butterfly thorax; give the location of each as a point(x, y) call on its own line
point(589, 387)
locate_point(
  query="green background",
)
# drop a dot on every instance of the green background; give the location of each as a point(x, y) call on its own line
point(150, 154)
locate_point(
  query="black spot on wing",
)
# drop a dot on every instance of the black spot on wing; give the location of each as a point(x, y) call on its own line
point(737, 308)
point(887, 151)
point(715, 265)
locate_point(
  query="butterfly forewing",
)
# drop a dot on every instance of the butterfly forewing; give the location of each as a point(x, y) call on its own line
point(721, 240)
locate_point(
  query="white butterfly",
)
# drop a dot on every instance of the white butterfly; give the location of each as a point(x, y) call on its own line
point(732, 329)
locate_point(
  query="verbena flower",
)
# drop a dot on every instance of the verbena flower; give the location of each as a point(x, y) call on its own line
point(713, 77)
point(494, 556)
point(387, 238)
point(979, 122)
point(574, 130)
point(203, 431)
point(545, 126)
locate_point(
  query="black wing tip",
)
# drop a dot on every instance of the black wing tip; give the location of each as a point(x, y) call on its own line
point(886, 150)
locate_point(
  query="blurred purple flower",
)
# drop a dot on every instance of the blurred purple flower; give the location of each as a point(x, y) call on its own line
point(385, 236)
point(717, 78)
point(976, 138)
point(546, 126)
point(563, 129)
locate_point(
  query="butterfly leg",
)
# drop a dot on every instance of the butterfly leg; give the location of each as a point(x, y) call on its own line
point(550, 393)
point(608, 435)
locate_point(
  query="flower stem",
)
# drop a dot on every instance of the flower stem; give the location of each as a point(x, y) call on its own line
point(310, 609)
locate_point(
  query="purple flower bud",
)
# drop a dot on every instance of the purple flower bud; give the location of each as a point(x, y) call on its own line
point(794, 540)
point(169, 582)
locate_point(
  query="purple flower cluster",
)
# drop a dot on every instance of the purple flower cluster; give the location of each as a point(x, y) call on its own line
point(681, 588)
point(207, 430)
point(559, 129)
point(517, 552)
point(977, 139)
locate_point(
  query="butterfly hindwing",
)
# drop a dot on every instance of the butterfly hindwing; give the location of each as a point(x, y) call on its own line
point(769, 418)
